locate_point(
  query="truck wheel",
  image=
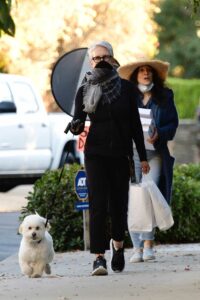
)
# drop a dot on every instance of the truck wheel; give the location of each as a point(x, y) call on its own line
point(6, 187)
point(70, 159)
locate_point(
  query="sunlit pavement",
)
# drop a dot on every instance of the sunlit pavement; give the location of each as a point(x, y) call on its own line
point(14, 199)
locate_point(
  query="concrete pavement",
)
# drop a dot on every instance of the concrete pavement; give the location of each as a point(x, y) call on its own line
point(174, 275)
point(14, 199)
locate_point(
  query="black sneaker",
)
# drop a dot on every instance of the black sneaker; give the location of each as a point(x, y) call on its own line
point(117, 258)
point(99, 266)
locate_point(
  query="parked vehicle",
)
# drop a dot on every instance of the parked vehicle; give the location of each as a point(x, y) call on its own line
point(31, 140)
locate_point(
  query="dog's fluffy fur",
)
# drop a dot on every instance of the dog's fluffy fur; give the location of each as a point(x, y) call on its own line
point(36, 247)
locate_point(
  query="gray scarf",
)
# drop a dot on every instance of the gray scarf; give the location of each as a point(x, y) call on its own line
point(100, 83)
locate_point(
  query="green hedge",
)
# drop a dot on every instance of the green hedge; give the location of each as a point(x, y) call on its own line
point(185, 206)
point(67, 224)
point(187, 96)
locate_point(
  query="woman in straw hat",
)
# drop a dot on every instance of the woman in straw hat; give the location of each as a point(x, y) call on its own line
point(149, 77)
point(108, 100)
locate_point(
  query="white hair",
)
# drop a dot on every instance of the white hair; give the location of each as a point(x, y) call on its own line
point(102, 44)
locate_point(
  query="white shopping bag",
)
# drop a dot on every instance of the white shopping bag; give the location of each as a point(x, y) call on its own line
point(140, 210)
point(162, 211)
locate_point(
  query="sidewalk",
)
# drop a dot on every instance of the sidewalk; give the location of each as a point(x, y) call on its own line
point(174, 275)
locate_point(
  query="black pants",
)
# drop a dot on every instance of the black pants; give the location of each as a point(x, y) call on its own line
point(108, 184)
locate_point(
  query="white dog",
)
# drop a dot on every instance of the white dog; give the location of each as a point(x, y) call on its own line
point(36, 248)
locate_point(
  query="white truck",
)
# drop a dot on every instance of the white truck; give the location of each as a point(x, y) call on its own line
point(31, 140)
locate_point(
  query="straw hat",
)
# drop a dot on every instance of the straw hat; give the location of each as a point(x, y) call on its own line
point(160, 66)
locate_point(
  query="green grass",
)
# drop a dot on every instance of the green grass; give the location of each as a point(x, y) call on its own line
point(187, 96)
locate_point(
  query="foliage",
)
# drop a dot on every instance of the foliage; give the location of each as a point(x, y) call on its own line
point(178, 39)
point(58, 199)
point(67, 224)
point(195, 5)
point(41, 38)
point(6, 22)
point(187, 96)
point(47, 29)
point(185, 206)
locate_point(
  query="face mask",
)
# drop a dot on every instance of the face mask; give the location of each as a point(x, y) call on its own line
point(145, 88)
point(104, 64)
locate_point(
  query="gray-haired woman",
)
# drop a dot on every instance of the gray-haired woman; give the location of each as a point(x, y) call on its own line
point(110, 103)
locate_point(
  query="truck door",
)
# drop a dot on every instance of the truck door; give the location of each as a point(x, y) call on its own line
point(35, 125)
point(12, 135)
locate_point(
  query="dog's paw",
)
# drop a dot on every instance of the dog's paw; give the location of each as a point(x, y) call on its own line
point(36, 276)
point(26, 270)
point(47, 269)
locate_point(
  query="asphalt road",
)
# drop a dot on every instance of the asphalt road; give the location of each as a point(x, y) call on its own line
point(9, 237)
point(11, 203)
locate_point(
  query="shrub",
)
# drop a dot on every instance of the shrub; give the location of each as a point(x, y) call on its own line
point(187, 96)
point(66, 222)
point(185, 206)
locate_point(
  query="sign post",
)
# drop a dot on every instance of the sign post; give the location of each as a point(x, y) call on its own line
point(81, 190)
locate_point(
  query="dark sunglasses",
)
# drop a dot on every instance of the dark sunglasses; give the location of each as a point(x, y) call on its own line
point(97, 59)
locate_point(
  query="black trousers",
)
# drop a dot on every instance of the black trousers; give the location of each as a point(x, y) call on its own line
point(108, 185)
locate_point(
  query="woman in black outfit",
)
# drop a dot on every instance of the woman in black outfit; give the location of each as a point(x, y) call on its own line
point(110, 103)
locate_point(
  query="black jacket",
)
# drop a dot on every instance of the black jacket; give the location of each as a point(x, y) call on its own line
point(113, 126)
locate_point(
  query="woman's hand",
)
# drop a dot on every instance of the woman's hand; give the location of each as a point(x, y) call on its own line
point(76, 126)
point(145, 167)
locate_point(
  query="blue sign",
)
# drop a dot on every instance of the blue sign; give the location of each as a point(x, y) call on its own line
point(81, 205)
point(81, 188)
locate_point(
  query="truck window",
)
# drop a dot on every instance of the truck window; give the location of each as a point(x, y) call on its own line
point(26, 100)
point(5, 93)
